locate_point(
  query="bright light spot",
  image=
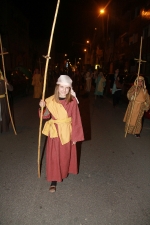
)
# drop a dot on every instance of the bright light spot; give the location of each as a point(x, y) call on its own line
point(145, 14)
point(102, 11)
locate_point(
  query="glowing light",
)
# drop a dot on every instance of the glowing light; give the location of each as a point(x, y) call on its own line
point(145, 14)
point(102, 11)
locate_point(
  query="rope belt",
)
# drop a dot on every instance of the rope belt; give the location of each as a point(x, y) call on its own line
point(2, 96)
point(139, 101)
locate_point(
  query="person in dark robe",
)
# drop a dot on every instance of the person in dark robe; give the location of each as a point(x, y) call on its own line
point(116, 82)
point(4, 113)
point(63, 129)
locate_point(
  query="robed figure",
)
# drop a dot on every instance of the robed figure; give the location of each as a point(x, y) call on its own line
point(138, 104)
point(63, 130)
point(37, 82)
point(100, 84)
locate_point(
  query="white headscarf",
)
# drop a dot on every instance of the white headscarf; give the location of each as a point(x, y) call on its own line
point(66, 80)
point(140, 78)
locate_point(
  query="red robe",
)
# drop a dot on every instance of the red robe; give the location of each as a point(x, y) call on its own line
point(62, 159)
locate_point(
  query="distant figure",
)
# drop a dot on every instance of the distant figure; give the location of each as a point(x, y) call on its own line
point(37, 82)
point(135, 109)
point(88, 81)
point(4, 113)
point(100, 84)
point(116, 87)
point(94, 76)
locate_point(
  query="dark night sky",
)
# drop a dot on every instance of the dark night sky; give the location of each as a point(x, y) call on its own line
point(75, 22)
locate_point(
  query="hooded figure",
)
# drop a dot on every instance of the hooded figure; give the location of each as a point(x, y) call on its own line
point(139, 102)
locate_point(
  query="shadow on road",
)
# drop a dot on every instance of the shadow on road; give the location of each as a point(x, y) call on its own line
point(84, 107)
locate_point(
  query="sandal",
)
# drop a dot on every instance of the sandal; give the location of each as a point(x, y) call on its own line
point(52, 188)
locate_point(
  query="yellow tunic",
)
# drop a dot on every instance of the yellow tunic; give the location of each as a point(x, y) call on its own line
point(37, 83)
point(62, 120)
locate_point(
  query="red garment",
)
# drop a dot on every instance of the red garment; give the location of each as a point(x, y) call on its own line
point(62, 159)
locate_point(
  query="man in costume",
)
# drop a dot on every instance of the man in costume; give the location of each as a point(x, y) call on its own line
point(4, 113)
point(37, 82)
point(63, 129)
point(139, 101)
point(100, 84)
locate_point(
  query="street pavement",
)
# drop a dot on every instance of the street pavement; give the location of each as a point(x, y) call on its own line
point(113, 184)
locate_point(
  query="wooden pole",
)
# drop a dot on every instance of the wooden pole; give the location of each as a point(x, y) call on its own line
point(135, 88)
point(2, 54)
point(44, 85)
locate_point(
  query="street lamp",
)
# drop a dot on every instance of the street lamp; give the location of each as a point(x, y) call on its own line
point(102, 11)
point(104, 31)
point(88, 43)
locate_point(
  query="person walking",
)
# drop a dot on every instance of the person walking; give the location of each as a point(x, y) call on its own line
point(37, 82)
point(88, 81)
point(116, 87)
point(100, 84)
point(4, 113)
point(63, 129)
point(139, 102)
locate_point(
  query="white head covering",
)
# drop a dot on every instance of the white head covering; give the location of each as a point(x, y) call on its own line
point(66, 80)
point(140, 78)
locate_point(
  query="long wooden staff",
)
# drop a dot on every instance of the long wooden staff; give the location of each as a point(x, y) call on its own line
point(44, 84)
point(135, 88)
point(6, 87)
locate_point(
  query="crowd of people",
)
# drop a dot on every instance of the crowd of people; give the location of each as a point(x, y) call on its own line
point(63, 127)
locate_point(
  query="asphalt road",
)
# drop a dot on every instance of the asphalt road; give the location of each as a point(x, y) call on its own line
point(113, 184)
